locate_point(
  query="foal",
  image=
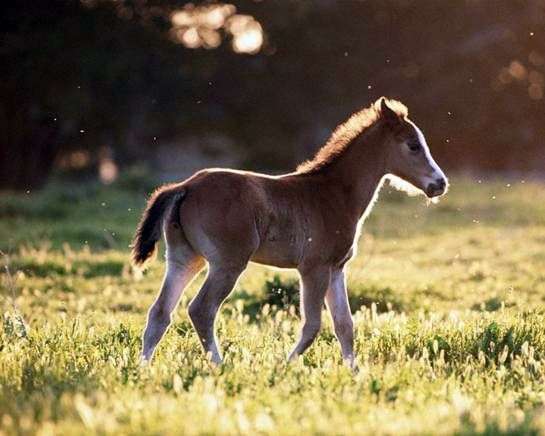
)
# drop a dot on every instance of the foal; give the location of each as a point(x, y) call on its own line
point(308, 220)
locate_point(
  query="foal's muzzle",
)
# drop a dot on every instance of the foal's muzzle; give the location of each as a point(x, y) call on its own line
point(436, 188)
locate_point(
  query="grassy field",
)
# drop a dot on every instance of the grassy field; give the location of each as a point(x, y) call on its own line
point(447, 299)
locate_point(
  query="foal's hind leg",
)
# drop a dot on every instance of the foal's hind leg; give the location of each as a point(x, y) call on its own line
point(182, 266)
point(314, 286)
point(203, 309)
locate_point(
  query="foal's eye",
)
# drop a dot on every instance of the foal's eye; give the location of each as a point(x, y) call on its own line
point(414, 146)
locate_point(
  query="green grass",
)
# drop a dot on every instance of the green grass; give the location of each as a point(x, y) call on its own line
point(447, 300)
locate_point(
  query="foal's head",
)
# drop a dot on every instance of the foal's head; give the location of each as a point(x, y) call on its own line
point(407, 153)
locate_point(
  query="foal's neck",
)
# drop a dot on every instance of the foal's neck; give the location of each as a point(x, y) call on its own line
point(359, 170)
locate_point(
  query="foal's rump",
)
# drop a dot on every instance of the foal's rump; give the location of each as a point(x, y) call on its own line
point(218, 215)
point(214, 209)
point(229, 216)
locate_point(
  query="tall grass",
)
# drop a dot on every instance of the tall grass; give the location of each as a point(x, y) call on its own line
point(447, 302)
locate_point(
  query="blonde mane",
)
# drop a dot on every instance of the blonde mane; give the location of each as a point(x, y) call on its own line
point(347, 132)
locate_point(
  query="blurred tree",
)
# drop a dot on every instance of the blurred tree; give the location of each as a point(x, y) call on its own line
point(82, 75)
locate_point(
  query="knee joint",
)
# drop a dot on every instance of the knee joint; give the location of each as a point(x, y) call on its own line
point(197, 313)
point(344, 327)
point(159, 314)
point(311, 329)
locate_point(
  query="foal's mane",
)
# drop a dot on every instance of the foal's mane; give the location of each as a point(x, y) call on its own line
point(345, 134)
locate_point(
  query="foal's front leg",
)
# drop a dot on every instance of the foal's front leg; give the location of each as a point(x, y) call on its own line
point(337, 303)
point(314, 285)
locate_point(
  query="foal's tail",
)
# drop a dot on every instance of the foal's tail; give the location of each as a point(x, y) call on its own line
point(148, 232)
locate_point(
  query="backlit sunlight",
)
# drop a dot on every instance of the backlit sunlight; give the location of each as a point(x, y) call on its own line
point(204, 26)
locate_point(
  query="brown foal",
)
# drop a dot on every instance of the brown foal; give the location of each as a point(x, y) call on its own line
point(308, 220)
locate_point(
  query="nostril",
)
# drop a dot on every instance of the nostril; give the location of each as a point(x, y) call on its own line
point(441, 183)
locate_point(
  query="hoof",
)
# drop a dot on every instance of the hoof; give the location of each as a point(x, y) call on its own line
point(214, 360)
point(144, 362)
point(351, 364)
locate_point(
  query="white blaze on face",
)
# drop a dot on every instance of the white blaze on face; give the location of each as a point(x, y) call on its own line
point(433, 173)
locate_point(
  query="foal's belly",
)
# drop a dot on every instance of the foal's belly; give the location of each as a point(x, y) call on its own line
point(271, 259)
point(282, 252)
point(281, 243)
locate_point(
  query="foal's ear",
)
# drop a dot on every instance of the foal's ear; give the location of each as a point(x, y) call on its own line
point(387, 112)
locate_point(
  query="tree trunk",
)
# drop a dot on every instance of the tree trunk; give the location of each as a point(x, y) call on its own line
point(28, 148)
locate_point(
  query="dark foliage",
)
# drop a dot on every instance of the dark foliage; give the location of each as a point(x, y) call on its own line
point(94, 74)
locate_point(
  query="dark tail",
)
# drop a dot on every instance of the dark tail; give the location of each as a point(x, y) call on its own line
point(148, 232)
